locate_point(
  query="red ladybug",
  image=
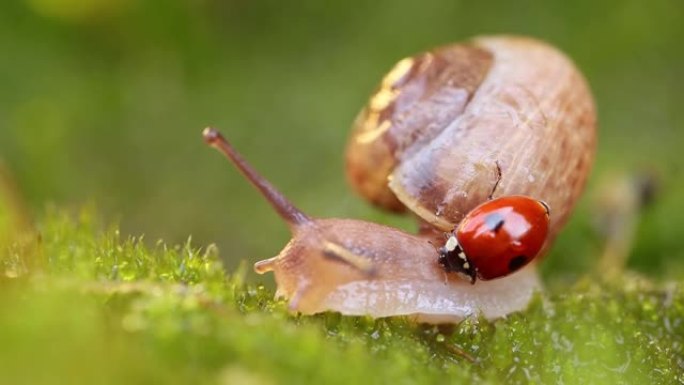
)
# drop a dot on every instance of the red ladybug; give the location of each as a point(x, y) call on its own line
point(496, 238)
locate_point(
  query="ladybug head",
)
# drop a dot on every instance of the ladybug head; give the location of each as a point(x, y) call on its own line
point(453, 259)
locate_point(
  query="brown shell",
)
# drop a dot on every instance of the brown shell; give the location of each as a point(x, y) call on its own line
point(443, 124)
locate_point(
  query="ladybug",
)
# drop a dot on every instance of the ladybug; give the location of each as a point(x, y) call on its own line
point(496, 238)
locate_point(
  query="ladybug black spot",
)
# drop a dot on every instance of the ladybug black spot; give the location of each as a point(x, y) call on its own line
point(517, 263)
point(494, 221)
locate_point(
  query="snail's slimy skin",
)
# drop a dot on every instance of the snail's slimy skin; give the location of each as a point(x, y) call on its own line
point(434, 301)
point(369, 269)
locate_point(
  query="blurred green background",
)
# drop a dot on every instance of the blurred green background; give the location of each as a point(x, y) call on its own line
point(103, 101)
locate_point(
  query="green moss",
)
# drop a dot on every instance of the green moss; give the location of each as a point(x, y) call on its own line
point(85, 306)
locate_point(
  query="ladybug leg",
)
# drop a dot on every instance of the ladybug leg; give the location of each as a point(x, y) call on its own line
point(498, 179)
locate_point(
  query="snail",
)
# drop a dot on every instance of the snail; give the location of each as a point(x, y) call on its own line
point(449, 132)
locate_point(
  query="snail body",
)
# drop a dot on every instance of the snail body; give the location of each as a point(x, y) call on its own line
point(446, 131)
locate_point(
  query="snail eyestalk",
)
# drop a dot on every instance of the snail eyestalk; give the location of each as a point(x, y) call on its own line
point(291, 214)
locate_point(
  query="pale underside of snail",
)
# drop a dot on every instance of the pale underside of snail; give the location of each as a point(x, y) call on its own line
point(445, 131)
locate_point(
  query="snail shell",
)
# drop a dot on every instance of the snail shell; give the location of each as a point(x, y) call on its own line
point(446, 124)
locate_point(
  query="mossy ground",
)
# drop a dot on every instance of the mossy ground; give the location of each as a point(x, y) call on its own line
point(82, 305)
